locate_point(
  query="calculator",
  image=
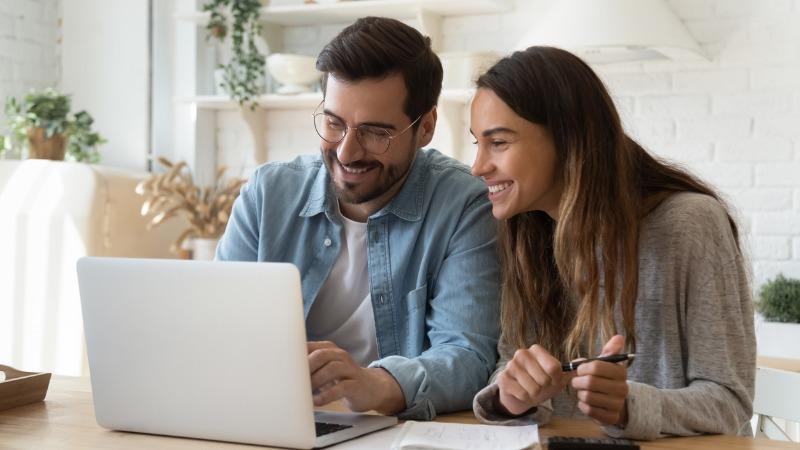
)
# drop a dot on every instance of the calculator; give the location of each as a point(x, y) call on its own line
point(578, 443)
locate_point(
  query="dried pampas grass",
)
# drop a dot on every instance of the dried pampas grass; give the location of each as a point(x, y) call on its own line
point(173, 193)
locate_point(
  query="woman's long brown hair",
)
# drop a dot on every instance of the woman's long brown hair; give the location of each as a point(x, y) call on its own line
point(552, 271)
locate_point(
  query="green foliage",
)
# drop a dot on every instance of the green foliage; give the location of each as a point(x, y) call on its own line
point(83, 142)
point(50, 110)
point(780, 300)
point(243, 77)
point(47, 109)
point(7, 148)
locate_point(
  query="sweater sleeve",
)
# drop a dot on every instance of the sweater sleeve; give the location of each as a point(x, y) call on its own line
point(720, 362)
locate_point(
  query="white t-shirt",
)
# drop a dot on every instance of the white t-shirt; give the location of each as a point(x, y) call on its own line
point(342, 312)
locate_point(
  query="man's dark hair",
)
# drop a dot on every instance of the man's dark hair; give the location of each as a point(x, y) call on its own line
point(377, 47)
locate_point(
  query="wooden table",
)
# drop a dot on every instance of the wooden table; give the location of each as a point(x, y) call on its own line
point(65, 420)
point(792, 365)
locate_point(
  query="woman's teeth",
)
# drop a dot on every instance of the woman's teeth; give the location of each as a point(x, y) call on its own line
point(498, 187)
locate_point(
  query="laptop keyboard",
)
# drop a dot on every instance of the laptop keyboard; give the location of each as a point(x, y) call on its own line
point(328, 428)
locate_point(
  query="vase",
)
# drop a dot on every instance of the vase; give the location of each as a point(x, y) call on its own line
point(203, 249)
point(777, 339)
point(296, 73)
point(42, 147)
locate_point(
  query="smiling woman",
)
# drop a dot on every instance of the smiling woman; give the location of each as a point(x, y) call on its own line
point(601, 243)
point(519, 165)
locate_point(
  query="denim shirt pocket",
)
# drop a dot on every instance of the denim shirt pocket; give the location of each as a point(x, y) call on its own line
point(416, 303)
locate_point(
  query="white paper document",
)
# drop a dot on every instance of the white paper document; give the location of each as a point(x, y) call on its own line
point(446, 436)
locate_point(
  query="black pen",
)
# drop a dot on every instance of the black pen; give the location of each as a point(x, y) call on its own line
point(566, 367)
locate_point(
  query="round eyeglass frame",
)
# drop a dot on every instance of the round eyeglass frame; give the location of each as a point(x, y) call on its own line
point(390, 137)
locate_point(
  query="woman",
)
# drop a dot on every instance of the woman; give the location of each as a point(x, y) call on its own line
point(606, 250)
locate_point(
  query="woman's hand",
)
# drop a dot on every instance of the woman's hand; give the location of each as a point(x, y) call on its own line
point(530, 378)
point(602, 387)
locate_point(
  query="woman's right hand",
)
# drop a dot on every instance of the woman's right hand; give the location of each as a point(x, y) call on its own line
point(532, 376)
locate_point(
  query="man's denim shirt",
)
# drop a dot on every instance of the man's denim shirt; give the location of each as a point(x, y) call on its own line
point(432, 262)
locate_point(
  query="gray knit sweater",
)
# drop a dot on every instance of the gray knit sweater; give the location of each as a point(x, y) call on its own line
point(695, 366)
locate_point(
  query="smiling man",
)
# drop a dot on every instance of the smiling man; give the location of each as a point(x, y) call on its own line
point(395, 244)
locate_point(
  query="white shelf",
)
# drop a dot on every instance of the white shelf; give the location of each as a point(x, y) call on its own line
point(345, 11)
point(195, 124)
point(301, 101)
point(269, 101)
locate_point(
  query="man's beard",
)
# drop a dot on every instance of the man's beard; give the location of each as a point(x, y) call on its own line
point(389, 176)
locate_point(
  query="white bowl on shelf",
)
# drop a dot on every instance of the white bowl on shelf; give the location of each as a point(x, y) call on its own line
point(295, 73)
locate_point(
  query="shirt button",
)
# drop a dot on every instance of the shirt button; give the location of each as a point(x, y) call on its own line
point(327, 242)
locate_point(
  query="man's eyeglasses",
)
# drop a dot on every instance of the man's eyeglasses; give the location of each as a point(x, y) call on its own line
point(373, 139)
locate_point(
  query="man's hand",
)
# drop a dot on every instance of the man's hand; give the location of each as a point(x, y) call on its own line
point(602, 388)
point(530, 378)
point(335, 376)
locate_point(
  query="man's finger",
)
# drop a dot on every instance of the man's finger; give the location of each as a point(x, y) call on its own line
point(331, 372)
point(320, 357)
point(331, 394)
point(316, 345)
point(319, 389)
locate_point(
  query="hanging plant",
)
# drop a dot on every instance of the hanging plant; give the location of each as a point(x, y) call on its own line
point(243, 77)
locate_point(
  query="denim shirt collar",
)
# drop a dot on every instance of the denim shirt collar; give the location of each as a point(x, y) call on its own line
point(406, 205)
point(321, 196)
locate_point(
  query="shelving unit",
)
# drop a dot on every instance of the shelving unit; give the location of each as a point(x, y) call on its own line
point(300, 101)
point(344, 11)
point(195, 114)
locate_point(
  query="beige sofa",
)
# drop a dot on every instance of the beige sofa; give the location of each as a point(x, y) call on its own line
point(51, 214)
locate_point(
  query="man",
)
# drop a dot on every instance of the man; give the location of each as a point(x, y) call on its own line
point(395, 245)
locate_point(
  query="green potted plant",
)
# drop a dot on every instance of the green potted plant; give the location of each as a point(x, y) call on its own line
point(243, 75)
point(778, 331)
point(42, 122)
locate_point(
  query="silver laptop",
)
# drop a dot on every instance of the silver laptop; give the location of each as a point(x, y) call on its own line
point(208, 350)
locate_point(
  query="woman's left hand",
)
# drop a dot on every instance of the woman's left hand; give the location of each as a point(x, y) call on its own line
point(602, 387)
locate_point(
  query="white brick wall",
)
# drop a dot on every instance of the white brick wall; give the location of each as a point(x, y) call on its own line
point(734, 119)
point(29, 47)
point(758, 199)
point(771, 248)
point(796, 248)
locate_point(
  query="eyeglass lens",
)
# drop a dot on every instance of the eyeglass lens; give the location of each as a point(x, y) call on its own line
point(331, 129)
